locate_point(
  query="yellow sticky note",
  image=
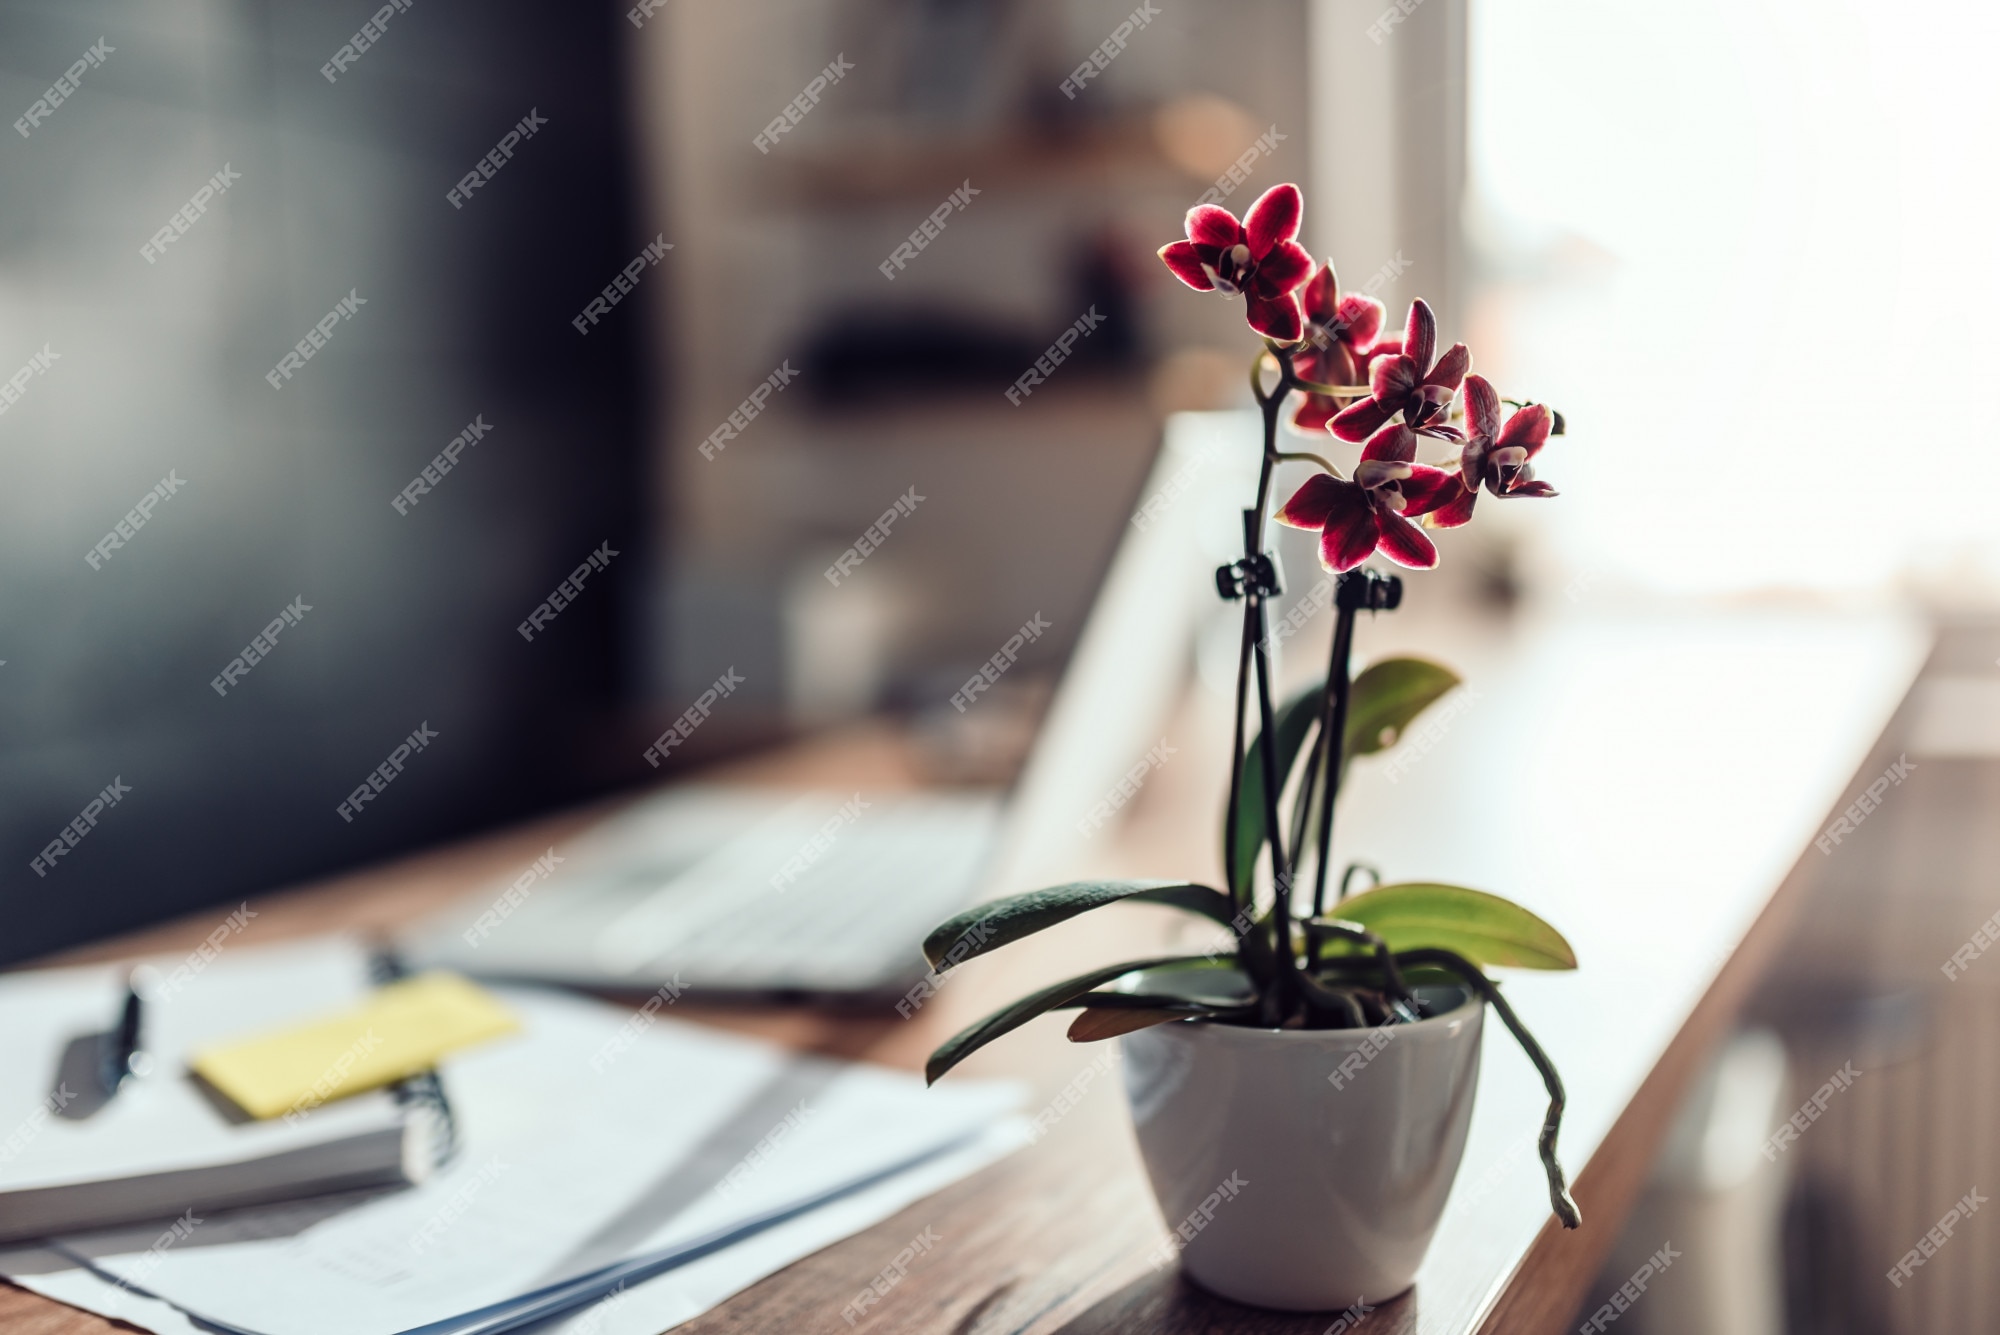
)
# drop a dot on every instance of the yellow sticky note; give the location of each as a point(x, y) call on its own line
point(400, 1030)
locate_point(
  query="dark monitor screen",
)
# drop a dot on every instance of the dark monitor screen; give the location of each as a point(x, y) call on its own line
point(298, 437)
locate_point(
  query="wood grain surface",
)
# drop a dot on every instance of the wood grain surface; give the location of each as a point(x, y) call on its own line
point(1060, 1236)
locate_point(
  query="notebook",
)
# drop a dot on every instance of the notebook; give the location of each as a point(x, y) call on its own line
point(166, 1145)
point(617, 1169)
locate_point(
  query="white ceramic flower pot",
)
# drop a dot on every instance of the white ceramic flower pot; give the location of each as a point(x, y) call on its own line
point(1305, 1169)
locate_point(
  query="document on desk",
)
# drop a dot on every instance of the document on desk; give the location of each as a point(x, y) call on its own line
point(608, 1157)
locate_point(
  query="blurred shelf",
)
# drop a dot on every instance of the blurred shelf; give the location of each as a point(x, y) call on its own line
point(859, 167)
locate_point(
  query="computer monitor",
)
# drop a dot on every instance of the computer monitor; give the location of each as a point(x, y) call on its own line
point(298, 434)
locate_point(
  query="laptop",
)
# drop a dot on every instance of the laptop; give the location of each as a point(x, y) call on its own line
point(780, 893)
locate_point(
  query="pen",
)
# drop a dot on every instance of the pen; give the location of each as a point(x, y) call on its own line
point(122, 1054)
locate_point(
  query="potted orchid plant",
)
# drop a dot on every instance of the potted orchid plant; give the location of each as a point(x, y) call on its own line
point(1302, 1097)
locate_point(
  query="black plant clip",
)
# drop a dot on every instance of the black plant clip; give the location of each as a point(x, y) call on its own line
point(1253, 574)
point(1368, 590)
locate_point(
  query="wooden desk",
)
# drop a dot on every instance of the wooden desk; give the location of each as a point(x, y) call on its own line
point(1645, 782)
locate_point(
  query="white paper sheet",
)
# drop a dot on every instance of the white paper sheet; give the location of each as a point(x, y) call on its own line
point(646, 1308)
point(583, 1143)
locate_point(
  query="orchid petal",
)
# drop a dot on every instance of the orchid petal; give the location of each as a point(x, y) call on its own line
point(1322, 295)
point(1406, 544)
point(1427, 489)
point(1314, 412)
point(1451, 367)
point(1528, 429)
point(1214, 226)
point(1328, 364)
point(1393, 379)
point(1283, 269)
point(1312, 503)
point(1359, 419)
point(1482, 408)
point(1277, 317)
point(1185, 261)
point(1392, 444)
point(1360, 320)
point(1274, 218)
point(1419, 334)
point(1351, 534)
point(1456, 510)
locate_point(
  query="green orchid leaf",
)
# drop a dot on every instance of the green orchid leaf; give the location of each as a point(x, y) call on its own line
point(1221, 983)
point(1383, 701)
point(1486, 929)
point(985, 927)
point(1292, 722)
point(1387, 697)
point(1009, 1018)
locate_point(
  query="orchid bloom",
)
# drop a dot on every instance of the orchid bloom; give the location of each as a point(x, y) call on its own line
point(1258, 257)
point(1340, 337)
point(1375, 510)
point(1495, 456)
point(1409, 384)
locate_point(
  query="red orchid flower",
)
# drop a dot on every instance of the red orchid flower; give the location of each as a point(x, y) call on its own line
point(1340, 338)
point(1409, 384)
point(1495, 456)
point(1258, 257)
point(1374, 511)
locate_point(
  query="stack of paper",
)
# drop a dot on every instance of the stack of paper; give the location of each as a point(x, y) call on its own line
point(617, 1171)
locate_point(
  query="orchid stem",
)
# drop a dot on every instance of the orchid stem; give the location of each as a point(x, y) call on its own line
point(1303, 456)
point(1333, 731)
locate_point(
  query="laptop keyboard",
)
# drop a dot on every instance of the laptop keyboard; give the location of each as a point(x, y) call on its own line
point(753, 891)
